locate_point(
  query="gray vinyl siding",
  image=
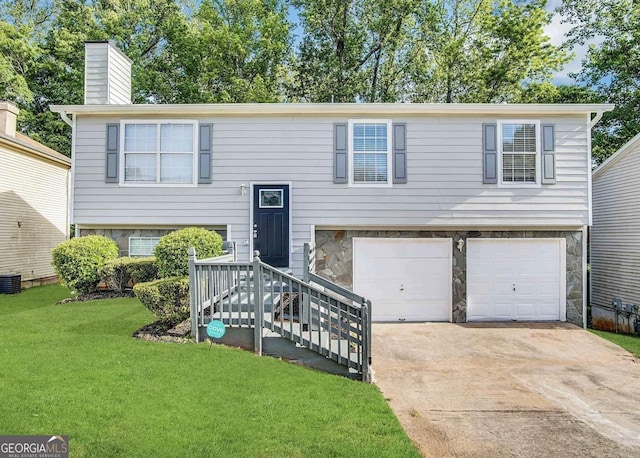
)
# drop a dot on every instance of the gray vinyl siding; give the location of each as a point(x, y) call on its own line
point(119, 78)
point(96, 74)
point(444, 165)
point(107, 75)
point(33, 213)
point(615, 235)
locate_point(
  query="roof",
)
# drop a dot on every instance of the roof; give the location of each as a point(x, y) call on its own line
point(310, 109)
point(30, 146)
point(618, 155)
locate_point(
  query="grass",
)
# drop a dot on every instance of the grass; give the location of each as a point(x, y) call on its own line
point(628, 342)
point(75, 369)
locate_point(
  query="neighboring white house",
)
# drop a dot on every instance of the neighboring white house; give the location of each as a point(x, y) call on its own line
point(34, 202)
point(615, 236)
point(436, 212)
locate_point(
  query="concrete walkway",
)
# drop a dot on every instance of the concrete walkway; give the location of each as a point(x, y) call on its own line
point(504, 390)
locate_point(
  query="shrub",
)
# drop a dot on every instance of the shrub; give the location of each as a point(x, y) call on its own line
point(118, 274)
point(167, 298)
point(78, 260)
point(172, 251)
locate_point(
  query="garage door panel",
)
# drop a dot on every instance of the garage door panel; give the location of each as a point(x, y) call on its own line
point(384, 311)
point(524, 278)
point(405, 279)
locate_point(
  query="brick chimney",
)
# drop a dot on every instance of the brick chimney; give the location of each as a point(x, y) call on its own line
point(107, 74)
point(8, 117)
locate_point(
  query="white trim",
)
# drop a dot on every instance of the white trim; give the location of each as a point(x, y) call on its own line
point(108, 75)
point(584, 277)
point(355, 109)
point(538, 154)
point(563, 279)
point(389, 152)
point(158, 184)
point(271, 206)
point(250, 233)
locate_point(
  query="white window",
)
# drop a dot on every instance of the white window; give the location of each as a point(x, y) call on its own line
point(271, 198)
point(519, 152)
point(370, 152)
point(161, 152)
point(142, 246)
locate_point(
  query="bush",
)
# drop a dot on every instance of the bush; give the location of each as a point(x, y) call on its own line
point(172, 251)
point(167, 298)
point(122, 273)
point(78, 260)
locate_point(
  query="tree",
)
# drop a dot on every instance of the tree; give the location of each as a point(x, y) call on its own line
point(549, 93)
point(352, 50)
point(230, 51)
point(481, 50)
point(612, 67)
point(17, 55)
point(423, 51)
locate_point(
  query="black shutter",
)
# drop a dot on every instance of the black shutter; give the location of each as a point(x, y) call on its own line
point(400, 153)
point(112, 152)
point(204, 153)
point(340, 153)
point(490, 153)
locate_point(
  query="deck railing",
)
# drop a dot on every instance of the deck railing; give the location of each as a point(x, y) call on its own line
point(321, 317)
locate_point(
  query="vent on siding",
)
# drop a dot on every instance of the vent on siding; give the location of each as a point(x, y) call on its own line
point(142, 246)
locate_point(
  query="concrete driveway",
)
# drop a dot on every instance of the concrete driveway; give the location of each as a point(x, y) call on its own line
point(497, 390)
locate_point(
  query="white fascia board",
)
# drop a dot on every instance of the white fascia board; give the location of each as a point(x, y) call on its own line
point(344, 109)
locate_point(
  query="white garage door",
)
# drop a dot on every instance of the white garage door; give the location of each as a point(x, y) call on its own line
point(516, 279)
point(405, 279)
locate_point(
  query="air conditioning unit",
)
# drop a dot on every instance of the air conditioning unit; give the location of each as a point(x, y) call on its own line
point(10, 283)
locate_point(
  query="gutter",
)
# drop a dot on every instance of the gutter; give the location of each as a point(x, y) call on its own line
point(329, 109)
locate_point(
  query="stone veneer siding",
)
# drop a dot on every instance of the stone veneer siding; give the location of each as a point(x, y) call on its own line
point(334, 260)
point(121, 236)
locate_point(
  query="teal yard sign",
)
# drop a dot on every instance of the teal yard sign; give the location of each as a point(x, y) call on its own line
point(215, 329)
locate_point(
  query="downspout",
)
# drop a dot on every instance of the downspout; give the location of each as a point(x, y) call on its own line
point(586, 293)
point(71, 123)
point(595, 120)
point(66, 119)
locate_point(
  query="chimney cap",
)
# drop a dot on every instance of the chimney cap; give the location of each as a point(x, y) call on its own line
point(11, 107)
point(112, 44)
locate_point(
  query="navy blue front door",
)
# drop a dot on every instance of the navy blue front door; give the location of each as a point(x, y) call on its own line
point(271, 223)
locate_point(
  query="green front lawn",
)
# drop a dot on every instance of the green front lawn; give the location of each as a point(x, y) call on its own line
point(74, 369)
point(631, 343)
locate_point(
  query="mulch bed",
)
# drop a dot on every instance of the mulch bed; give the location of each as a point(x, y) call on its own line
point(97, 295)
point(160, 331)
